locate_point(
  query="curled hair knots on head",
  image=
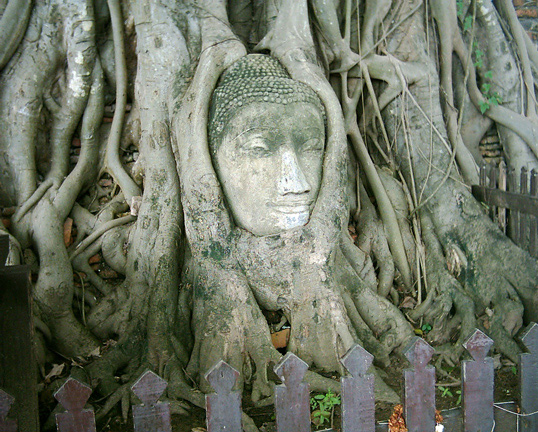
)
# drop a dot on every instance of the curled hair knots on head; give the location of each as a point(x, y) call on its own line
point(254, 78)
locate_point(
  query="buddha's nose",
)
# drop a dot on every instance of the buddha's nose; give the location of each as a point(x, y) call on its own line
point(292, 179)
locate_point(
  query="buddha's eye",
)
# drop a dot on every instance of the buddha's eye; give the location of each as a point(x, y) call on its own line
point(313, 145)
point(257, 146)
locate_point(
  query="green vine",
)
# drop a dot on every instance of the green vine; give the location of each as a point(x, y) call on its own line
point(490, 98)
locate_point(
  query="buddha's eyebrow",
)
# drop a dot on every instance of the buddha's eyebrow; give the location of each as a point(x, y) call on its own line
point(255, 128)
point(313, 128)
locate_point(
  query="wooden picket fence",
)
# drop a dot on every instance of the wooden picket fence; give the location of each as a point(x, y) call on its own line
point(513, 202)
point(223, 408)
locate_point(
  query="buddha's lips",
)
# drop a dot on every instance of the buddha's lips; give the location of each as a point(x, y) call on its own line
point(292, 207)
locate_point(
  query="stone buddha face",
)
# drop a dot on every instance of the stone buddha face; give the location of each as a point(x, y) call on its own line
point(270, 164)
point(269, 157)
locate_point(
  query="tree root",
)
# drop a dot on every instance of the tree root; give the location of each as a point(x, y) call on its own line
point(13, 25)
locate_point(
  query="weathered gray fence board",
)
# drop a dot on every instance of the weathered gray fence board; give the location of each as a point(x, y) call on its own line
point(533, 240)
point(292, 396)
point(419, 387)
point(73, 395)
point(477, 384)
point(493, 185)
point(513, 222)
point(513, 203)
point(528, 369)
point(503, 185)
point(358, 404)
point(152, 415)
point(17, 365)
point(510, 200)
point(223, 408)
point(523, 218)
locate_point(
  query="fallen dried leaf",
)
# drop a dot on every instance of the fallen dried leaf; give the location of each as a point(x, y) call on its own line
point(68, 227)
point(280, 339)
point(108, 274)
point(396, 421)
point(408, 303)
point(96, 352)
point(56, 371)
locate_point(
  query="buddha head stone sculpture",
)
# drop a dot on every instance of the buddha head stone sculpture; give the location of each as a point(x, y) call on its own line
point(267, 137)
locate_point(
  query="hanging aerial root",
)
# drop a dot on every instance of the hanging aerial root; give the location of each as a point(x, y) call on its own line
point(129, 188)
point(444, 13)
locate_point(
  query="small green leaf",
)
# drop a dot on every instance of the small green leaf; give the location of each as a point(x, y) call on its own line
point(488, 74)
point(486, 87)
point(319, 397)
point(478, 64)
point(426, 328)
point(493, 101)
point(459, 4)
point(484, 106)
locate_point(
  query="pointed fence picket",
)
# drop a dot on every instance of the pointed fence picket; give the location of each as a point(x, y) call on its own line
point(419, 387)
point(477, 384)
point(358, 403)
point(73, 395)
point(528, 370)
point(152, 415)
point(223, 407)
point(292, 396)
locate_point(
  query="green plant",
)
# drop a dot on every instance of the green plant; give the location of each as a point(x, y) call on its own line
point(322, 407)
point(459, 5)
point(468, 20)
point(446, 392)
point(490, 98)
point(426, 328)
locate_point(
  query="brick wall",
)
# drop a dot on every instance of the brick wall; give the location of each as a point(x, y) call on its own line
point(527, 11)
